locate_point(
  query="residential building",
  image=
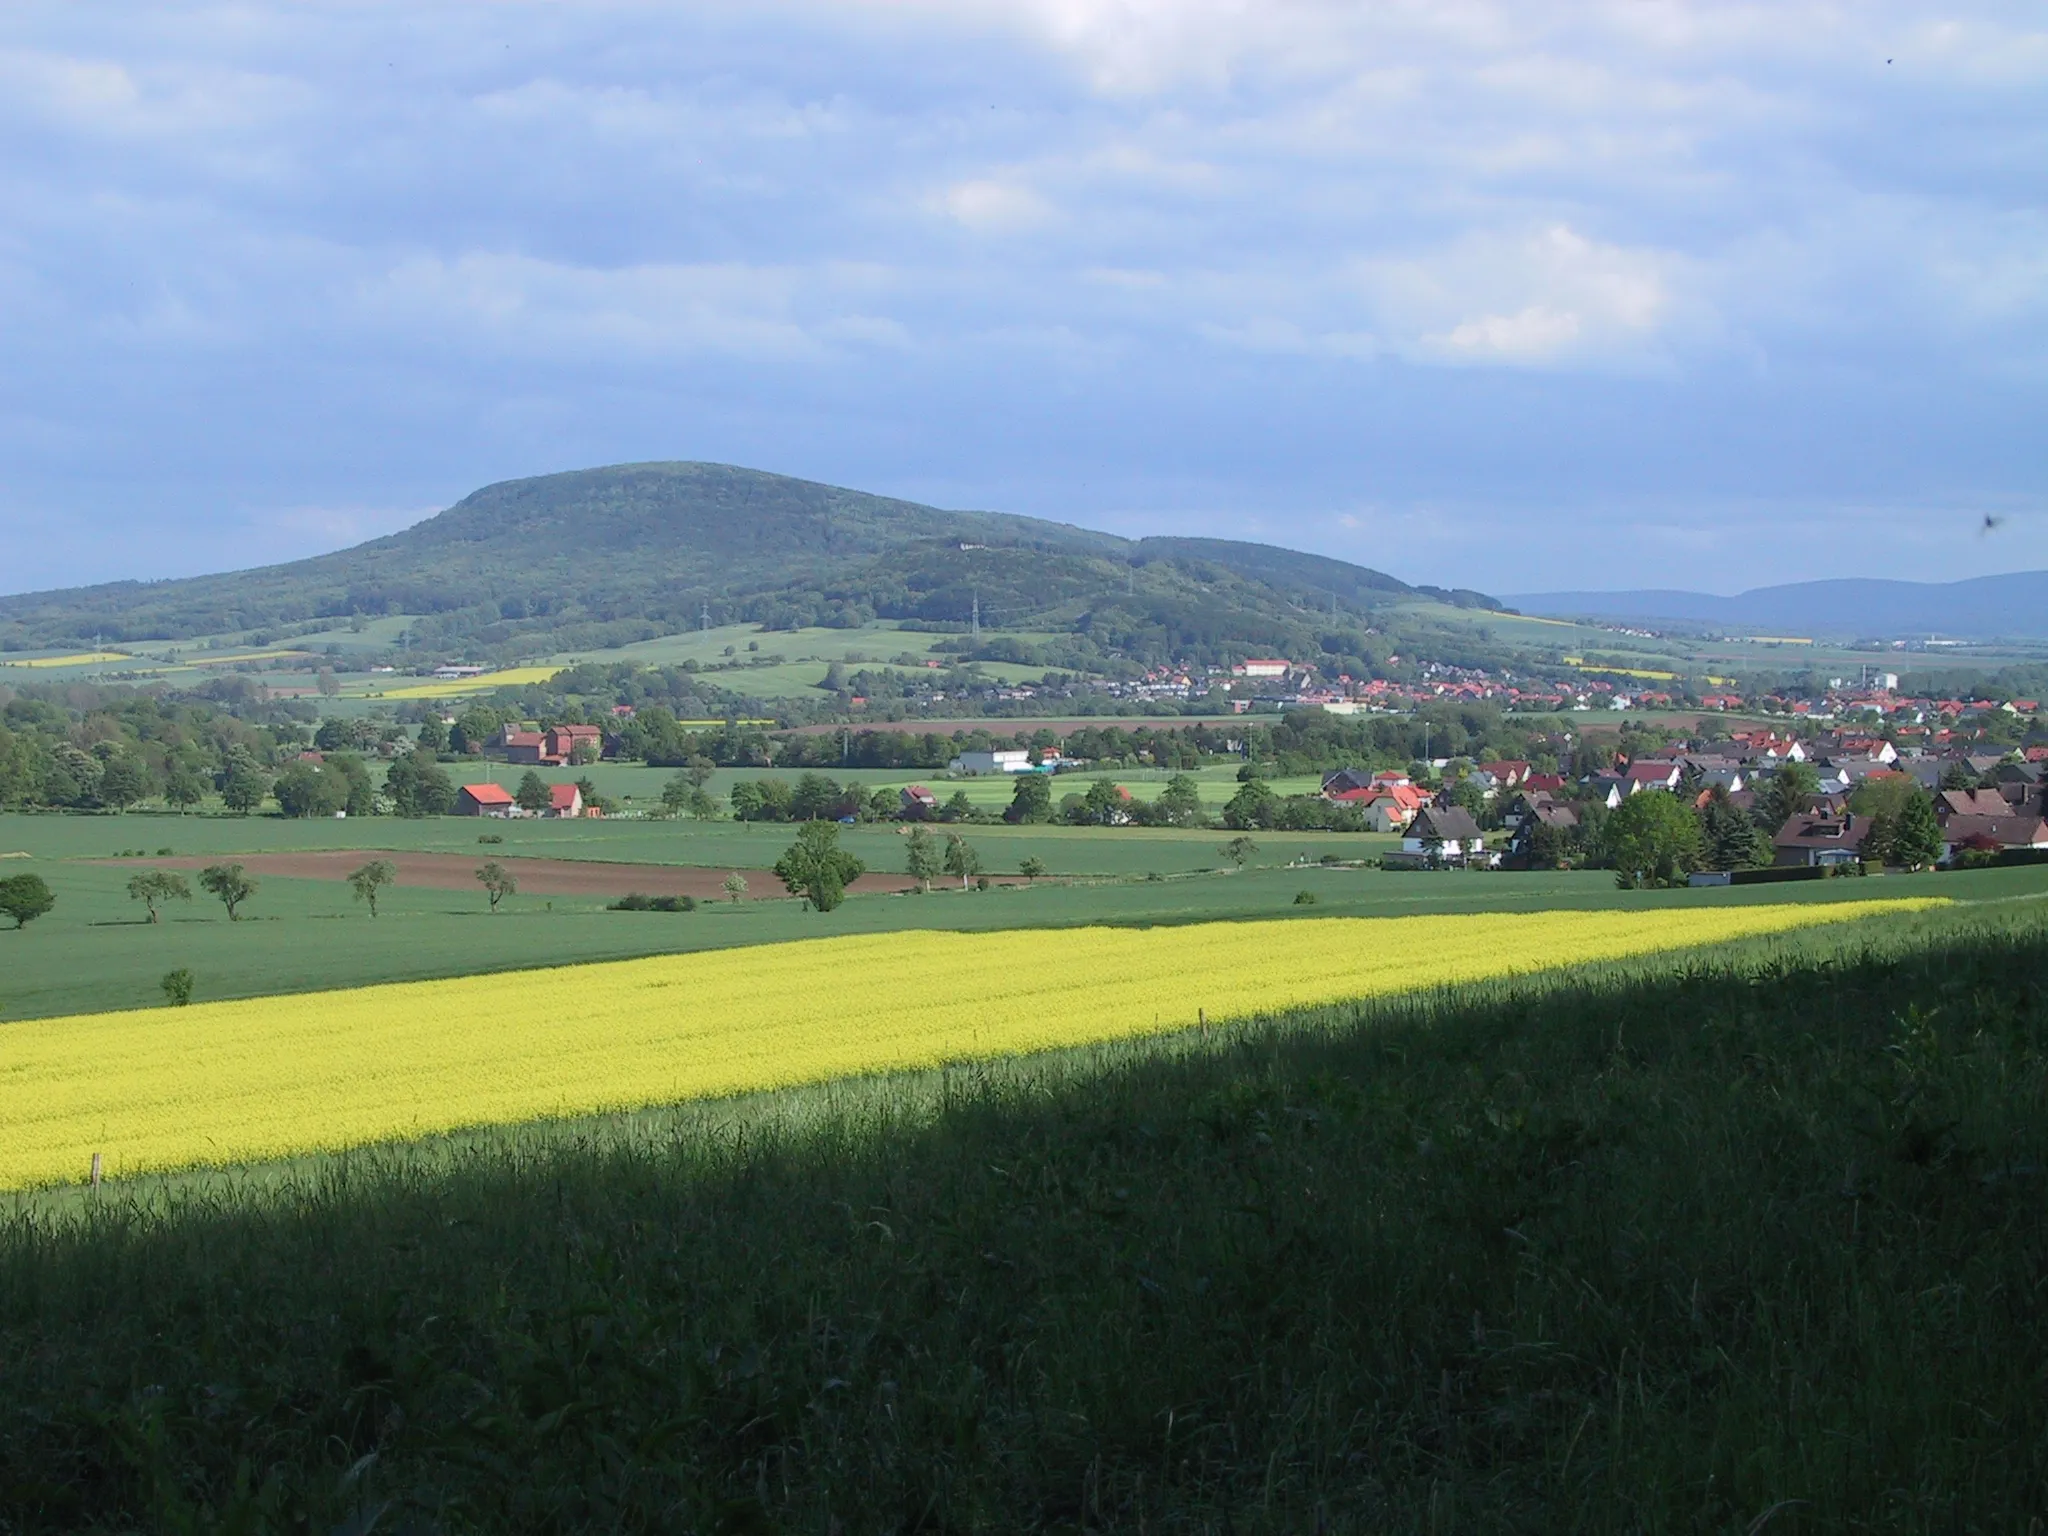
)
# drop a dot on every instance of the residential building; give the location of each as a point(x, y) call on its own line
point(1821, 838)
point(1959, 833)
point(1444, 835)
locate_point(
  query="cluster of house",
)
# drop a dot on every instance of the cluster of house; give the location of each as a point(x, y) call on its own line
point(2012, 813)
point(564, 800)
point(553, 747)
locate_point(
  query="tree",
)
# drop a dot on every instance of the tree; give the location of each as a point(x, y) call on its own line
point(1031, 869)
point(961, 859)
point(230, 885)
point(183, 788)
point(735, 886)
point(372, 878)
point(417, 786)
point(1180, 803)
point(1238, 849)
point(1883, 796)
point(676, 793)
point(816, 867)
point(1653, 839)
point(921, 857)
point(1253, 805)
point(25, 898)
point(123, 782)
point(177, 987)
point(153, 887)
point(1103, 805)
point(1915, 838)
point(1785, 794)
point(306, 789)
point(1031, 800)
point(957, 807)
point(498, 882)
point(533, 793)
point(700, 769)
point(433, 735)
point(243, 787)
point(1730, 840)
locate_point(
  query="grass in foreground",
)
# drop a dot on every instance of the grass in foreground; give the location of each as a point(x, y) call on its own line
point(239, 1081)
point(1750, 1246)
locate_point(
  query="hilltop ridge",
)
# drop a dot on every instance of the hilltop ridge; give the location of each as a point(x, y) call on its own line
point(606, 555)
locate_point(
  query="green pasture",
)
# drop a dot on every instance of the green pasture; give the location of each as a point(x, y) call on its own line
point(95, 951)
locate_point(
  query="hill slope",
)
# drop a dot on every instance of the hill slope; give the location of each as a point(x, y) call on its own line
point(600, 555)
point(2010, 605)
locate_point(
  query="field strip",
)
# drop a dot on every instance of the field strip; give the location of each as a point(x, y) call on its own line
point(536, 876)
point(265, 1078)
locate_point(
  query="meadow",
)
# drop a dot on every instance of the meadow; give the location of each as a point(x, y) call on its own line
point(95, 951)
point(1740, 1240)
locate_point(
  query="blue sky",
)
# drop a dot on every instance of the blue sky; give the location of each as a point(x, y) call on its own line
point(1501, 295)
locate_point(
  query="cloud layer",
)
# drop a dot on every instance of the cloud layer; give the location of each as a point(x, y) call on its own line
point(1585, 294)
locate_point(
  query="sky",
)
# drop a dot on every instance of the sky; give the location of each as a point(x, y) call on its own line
point(1508, 296)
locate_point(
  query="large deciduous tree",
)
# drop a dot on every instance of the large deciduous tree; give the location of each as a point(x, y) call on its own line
point(25, 898)
point(1653, 839)
point(816, 868)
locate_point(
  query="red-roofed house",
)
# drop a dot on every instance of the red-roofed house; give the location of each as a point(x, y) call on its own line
point(564, 800)
point(1507, 774)
point(1391, 807)
point(485, 800)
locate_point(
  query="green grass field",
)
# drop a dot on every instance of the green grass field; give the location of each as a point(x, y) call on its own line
point(1737, 1242)
point(95, 952)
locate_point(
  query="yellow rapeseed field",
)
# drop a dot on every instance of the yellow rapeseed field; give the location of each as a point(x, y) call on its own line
point(268, 1077)
point(81, 659)
point(455, 687)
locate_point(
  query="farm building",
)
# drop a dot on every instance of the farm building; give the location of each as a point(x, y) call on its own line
point(553, 747)
point(485, 800)
point(564, 800)
point(1012, 761)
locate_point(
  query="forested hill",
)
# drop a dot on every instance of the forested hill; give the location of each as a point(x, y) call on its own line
point(601, 556)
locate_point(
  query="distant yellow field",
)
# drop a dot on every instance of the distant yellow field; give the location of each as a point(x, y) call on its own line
point(456, 687)
point(82, 659)
point(1663, 677)
point(269, 1077)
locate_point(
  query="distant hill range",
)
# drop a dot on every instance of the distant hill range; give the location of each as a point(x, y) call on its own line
point(602, 556)
point(1985, 607)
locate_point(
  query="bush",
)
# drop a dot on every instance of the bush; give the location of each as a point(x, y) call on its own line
point(492, 837)
point(633, 901)
point(177, 987)
point(1304, 898)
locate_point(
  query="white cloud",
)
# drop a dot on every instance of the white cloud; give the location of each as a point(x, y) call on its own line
point(992, 206)
point(1077, 253)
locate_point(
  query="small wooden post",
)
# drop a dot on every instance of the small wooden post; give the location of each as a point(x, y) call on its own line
point(95, 1170)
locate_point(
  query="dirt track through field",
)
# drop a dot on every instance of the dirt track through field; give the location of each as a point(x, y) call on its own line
point(536, 877)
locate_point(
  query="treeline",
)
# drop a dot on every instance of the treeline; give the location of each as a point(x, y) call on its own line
point(82, 747)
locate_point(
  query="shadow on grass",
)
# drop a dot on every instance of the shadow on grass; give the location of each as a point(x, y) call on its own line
point(1653, 1249)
